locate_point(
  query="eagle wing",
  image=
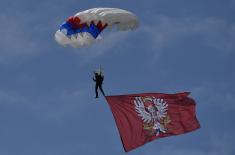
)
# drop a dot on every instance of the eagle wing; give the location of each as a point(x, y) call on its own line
point(140, 109)
point(161, 106)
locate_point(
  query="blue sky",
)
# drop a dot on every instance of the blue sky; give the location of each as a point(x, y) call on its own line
point(47, 104)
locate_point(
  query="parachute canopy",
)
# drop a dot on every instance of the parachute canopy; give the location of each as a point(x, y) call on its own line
point(84, 27)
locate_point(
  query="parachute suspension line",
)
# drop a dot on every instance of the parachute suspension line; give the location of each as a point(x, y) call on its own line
point(100, 71)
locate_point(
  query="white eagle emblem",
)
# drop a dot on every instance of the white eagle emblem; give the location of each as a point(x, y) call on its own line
point(153, 112)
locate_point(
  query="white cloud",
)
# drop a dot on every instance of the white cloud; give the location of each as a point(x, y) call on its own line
point(232, 3)
point(52, 106)
point(213, 32)
point(216, 145)
point(16, 40)
point(216, 95)
point(11, 97)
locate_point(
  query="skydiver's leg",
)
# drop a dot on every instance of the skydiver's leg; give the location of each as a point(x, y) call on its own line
point(101, 89)
point(96, 91)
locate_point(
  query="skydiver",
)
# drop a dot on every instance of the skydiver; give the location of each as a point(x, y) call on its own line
point(98, 79)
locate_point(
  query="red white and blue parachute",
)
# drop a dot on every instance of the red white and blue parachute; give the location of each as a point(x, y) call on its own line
point(85, 27)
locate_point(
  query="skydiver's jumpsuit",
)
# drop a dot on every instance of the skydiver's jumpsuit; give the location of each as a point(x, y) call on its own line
point(99, 81)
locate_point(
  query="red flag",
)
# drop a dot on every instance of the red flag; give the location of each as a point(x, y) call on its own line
point(141, 118)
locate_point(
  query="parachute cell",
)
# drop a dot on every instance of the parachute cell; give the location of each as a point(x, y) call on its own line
point(84, 27)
